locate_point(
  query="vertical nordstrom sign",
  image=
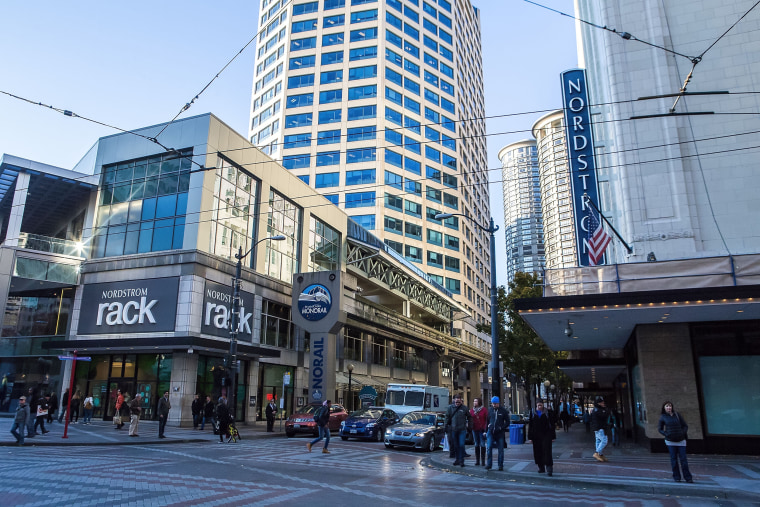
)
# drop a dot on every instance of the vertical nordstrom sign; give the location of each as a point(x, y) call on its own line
point(580, 151)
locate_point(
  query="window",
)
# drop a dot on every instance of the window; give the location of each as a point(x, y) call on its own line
point(450, 201)
point(358, 155)
point(332, 39)
point(332, 21)
point(447, 105)
point(331, 76)
point(361, 133)
point(394, 202)
point(366, 221)
point(434, 237)
point(301, 81)
point(330, 96)
point(429, 10)
point(447, 87)
point(333, 198)
point(296, 161)
point(435, 259)
point(328, 158)
point(364, 16)
point(394, 57)
point(446, 5)
point(302, 62)
point(393, 76)
point(306, 8)
point(395, 246)
point(433, 194)
point(430, 214)
point(394, 39)
point(432, 134)
point(413, 208)
point(304, 26)
point(431, 60)
point(413, 187)
point(431, 96)
point(412, 165)
point(393, 115)
point(452, 242)
point(449, 143)
point(411, 31)
point(412, 67)
point(412, 86)
point(363, 34)
point(362, 53)
point(326, 180)
point(296, 141)
point(360, 200)
point(331, 58)
point(411, 49)
point(304, 178)
point(361, 177)
point(431, 154)
point(447, 71)
point(393, 158)
point(431, 78)
point(367, 72)
point(393, 179)
point(298, 120)
point(412, 125)
point(362, 113)
point(453, 285)
point(432, 173)
point(452, 223)
point(413, 253)
point(413, 230)
point(306, 99)
point(331, 116)
point(430, 26)
point(394, 137)
point(394, 21)
point(334, 4)
point(328, 137)
point(363, 92)
point(324, 246)
point(446, 53)
point(391, 224)
point(449, 181)
point(446, 37)
point(396, 4)
point(394, 96)
point(362, 2)
point(432, 115)
point(449, 162)
point(412, 145)
point(412, 105)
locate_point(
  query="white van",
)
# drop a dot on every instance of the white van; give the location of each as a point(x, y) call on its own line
point(405, 398)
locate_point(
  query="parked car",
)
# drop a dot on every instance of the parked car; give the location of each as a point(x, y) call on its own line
point(303, 420)
point(417, 430)
point(368, 423)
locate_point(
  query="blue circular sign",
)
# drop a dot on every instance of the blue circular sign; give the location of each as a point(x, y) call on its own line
point(314, 302)
point(316, 394)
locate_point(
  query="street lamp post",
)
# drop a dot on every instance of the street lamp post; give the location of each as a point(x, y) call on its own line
point(350, 394)
point(495, 371)
point(234, 314)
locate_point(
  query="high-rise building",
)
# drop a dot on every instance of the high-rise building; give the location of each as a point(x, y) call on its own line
point(374, 105)
point(523, 225)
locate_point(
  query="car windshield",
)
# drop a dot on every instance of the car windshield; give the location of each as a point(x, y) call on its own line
point(309, 409)
point(419, 418)
point(366, 413)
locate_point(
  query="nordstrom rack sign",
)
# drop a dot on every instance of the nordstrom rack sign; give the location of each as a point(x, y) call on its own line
point(217, 305)
point(134, 306)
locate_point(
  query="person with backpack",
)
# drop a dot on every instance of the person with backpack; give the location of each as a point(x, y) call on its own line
point(599, 424)
point(458, 420)
point(89, 406)
point(541, 433)
point(496, 432)
point(672, 426)
point(322, 418)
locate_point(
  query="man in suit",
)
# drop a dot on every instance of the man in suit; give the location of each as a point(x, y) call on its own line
point(270, 413)
point(163, 413)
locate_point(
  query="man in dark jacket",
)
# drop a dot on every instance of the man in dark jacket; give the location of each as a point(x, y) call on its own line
point(42, 412)
point(498, 423)
point(208, 412)
point(541, 432)
point(599, 423)
point(53, 407)
point(457, 421)
point(271, 410)
point(223, 418)
point(22, 416)
point(197, 410)
point(31, 402)
point(322, 418)
point(163, 413)
point(64, 405)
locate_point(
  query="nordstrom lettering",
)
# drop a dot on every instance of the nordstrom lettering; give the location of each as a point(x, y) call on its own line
point(138, 306)
point(217, 312)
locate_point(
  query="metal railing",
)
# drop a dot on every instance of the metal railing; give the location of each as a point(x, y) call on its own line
point(52, 245)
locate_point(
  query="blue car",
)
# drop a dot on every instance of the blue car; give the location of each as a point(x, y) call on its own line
point(368, 423)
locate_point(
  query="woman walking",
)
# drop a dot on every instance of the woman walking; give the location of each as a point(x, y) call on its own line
point(541, 432)
point(674, 429)
point(479, 415)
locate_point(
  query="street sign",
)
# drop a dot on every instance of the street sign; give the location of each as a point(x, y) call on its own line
point(72, 358)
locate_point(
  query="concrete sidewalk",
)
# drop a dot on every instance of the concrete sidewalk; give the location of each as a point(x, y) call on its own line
point(105, 433)
point(630, 468)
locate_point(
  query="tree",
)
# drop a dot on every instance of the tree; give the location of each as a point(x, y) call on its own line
point(523, 352)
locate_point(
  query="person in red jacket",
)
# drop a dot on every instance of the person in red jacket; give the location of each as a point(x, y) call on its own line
point(479, 415)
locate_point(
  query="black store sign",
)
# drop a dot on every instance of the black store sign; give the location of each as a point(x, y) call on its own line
point(134, 306)
point(217, 304)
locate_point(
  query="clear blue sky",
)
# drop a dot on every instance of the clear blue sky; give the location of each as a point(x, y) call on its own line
point(133, 64)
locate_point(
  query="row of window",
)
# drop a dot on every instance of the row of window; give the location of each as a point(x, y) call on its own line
point(353, 156)
point(412, 230)
point(333, 76)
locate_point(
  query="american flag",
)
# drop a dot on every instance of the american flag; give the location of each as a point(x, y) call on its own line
point(598, 239)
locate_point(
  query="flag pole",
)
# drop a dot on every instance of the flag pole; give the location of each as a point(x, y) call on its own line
point(591, 203)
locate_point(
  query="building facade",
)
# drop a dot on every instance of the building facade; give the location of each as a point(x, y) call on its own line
point(379, 106)
point(129, 260)
point(523, 223)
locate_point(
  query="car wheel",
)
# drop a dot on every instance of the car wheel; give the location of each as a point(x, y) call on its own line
point(343, 438)
point(388, 446)
point(431, 444)
point(290, 434)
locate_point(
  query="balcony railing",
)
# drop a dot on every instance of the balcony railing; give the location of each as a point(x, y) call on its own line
point(51, 245)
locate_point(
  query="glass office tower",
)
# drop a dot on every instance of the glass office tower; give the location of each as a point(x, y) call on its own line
point(379, 105)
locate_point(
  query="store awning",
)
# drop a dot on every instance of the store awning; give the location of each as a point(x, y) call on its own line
point(358, 380)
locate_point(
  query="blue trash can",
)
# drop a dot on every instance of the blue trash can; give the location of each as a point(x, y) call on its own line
point(516, 434)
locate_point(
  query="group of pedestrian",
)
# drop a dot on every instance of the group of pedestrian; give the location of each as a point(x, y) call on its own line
point(204, 411)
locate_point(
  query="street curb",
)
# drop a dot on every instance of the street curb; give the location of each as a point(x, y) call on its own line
point(100, 444)
point(669, 489)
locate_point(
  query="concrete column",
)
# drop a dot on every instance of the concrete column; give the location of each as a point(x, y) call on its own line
point(667, 372)
point(475, 388)
point(182, 388)
point(434, 367)
point(17, 209)
point(252, 387)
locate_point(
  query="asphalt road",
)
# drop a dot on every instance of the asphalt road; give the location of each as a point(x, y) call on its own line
point(270, 472)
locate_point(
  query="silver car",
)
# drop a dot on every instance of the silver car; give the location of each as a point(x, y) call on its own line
point(417, 430)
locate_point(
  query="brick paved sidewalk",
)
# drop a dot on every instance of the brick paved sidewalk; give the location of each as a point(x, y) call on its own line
point(630, 468)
